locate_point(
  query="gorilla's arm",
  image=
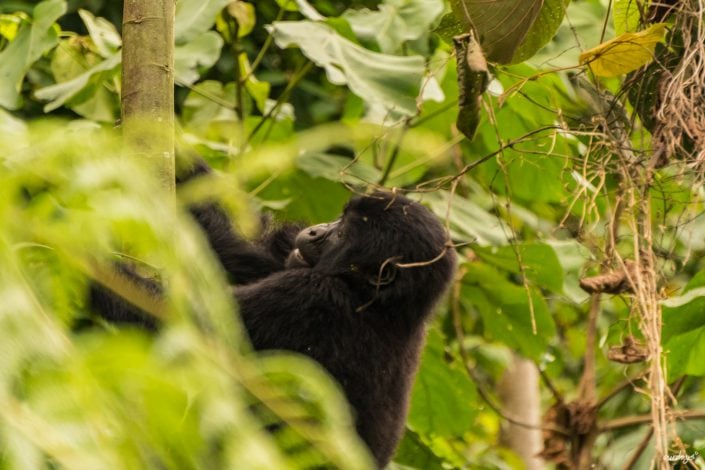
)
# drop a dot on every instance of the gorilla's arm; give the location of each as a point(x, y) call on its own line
point(114, 308)
point(245, 261)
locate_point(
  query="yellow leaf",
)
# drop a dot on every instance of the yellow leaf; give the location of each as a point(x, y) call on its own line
point(624, 53)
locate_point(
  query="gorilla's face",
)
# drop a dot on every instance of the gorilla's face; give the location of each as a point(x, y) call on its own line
point(314, 243)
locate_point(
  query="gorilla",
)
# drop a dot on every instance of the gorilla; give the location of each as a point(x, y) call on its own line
point(352, 294)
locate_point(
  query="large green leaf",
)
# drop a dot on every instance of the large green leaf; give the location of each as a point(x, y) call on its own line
point(103, 33)
point(61, 93)
point(564, 47)
point(684, 329)
point(543, 29)
point(201, 51)
point(94, 100)
point(626, 15)
point(194, 17)
point(506, 310)
point(396, 22)
point(337, 168)
point(501, 25)
point(209, 101)
point(414, 453)
point(442, 393)
point(391, 81)
point(31, 42)
point(684, 313)
point(685, 354)
point(469, 220)
point(539, 261)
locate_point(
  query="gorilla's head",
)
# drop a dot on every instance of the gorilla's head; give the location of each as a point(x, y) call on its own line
point(384, 241)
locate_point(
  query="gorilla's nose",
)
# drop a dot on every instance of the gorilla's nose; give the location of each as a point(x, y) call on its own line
point(315, 233)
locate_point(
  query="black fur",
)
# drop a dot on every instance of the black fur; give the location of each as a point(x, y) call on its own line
point(357, 310)
point(368, 337)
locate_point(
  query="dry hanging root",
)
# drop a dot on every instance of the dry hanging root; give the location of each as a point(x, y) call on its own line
point(629, 352)
point(679, 130)
point(613, 282)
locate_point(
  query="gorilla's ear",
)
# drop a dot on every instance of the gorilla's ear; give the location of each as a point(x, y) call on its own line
point(386, 274)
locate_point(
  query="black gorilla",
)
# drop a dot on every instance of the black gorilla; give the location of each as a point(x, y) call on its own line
point(352, 294)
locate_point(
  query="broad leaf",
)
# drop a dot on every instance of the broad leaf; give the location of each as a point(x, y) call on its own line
point(337, 168)
point(62, 93)
point(685, 354)
point(540, 263)
point(624, 53)
point(201, 52)
point(257, 89)
point(414, 453)
point(104, 35)
point(31, 42)
point(208, 102)
point(244, 14)
point(396, 22)
point(684, 313)
point(543, 30)
point(441, 394)
point(95, 100)
point(194, 17)
point(392, 81)
point(469, 220)
point(684, 329)
point(626, 15)
point(506, 310)
point(501, 25)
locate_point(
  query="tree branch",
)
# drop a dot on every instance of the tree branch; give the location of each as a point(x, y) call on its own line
point(627, 421)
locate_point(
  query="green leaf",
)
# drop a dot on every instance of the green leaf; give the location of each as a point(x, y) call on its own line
point(32, 41)
point(258, 90)
point(104, 35)
point(561, 51)
point(501, 25)
point(244, 14)
point(396, 22)
point(201, 51)
point(469, 220)
point(291, 5)
point(441, 394)
point(683, 332)
point(573, 257)
point(540, 262)
point(61, 93)
point(391, 81)
point(506, 311)
point(97, 100)
point(207, 102)
point(626, 15)
point(543, 29)
point(683, 313)
point(337, 168)
point(10, 24)
point(413, 453)
point(685, 354)
point(194, 17)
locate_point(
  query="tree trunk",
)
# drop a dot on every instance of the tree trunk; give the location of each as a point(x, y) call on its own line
point(519, 392)
point(148, 83)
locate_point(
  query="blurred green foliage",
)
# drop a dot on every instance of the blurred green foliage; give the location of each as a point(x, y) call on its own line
point(298, 103)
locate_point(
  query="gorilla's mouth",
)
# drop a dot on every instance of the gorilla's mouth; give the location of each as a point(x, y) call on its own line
point(296, 260)
point(300, 257)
